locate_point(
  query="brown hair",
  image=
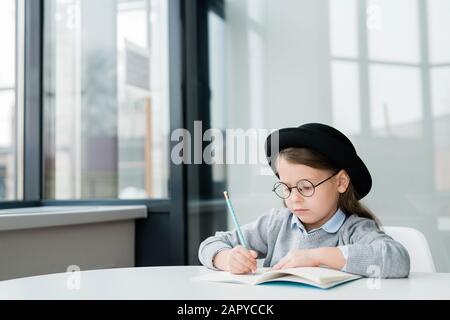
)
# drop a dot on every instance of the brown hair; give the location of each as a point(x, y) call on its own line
point(348, 201)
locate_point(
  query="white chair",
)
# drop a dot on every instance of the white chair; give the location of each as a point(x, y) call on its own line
point(415, 242)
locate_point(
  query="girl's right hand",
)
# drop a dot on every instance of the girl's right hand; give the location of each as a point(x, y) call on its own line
point(237, 260)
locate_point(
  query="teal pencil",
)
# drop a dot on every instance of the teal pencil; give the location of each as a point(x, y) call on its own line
point(236, 223)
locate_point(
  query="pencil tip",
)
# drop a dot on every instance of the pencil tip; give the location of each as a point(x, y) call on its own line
point(225, 193)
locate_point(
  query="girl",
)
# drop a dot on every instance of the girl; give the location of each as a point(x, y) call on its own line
point(321, 180)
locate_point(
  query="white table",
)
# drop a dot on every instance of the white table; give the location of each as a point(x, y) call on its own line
point(175, 283)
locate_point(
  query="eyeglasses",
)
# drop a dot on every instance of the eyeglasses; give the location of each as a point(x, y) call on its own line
point(305, 187)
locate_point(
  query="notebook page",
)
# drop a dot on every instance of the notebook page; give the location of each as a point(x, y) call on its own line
point(223, 276)
point(318, 274)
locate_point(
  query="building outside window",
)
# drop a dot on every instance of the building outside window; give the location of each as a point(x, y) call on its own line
point(11, 128)
point(106, 102)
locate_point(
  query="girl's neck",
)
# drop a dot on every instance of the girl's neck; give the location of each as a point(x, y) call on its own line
point(321, 222)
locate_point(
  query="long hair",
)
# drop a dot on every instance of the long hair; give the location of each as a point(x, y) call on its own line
point(348, 201)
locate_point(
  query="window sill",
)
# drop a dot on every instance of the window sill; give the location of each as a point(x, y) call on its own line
point(51, 216)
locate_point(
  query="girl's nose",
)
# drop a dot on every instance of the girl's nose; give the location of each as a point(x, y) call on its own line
point(296, 195)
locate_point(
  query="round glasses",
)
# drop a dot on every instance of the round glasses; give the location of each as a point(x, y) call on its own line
point(305, 187)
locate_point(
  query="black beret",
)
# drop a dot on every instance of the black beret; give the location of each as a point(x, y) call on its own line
point(328, 141)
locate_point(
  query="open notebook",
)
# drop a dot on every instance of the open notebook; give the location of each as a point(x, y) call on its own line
point(315, 276)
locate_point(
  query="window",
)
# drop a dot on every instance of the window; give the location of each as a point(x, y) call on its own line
point(378, 70)
point(10, 132)
point(106, 102)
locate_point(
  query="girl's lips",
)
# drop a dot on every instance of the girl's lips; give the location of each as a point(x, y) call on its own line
point(300, 210)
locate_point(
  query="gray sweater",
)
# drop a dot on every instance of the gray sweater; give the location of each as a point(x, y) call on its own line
point(370, 252)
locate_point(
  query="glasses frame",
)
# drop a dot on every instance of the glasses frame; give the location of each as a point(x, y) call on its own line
point(277, 184)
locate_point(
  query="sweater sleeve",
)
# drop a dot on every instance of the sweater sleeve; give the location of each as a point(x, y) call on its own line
point(372, 253)
point(256, 234)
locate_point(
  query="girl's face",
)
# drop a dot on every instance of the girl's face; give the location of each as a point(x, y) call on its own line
point(312, 211)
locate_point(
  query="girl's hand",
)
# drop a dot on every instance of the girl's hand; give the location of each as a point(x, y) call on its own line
point(298, 258)
point(237, 260)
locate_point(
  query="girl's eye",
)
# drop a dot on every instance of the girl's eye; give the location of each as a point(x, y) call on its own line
point(306, 187)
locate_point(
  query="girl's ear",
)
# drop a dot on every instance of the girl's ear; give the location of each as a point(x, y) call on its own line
point(343, 181)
